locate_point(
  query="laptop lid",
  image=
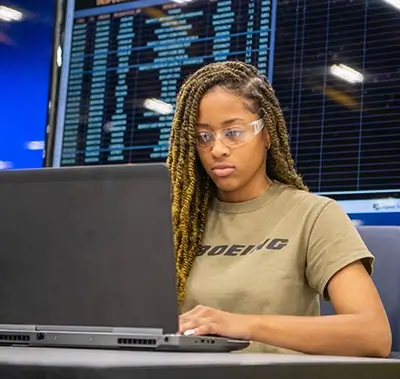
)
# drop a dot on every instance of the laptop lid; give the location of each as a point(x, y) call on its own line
point(88, 246)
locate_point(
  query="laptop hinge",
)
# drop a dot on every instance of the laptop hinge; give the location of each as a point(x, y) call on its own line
point(97, 329)
point(18, 327)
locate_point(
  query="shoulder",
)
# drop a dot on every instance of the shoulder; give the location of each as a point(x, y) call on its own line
point(306, 204)
point(301, 196)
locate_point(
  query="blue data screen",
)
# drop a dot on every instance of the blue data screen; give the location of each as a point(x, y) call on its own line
point(124, 63)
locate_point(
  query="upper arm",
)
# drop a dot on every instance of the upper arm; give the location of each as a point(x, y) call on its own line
point(339, 267)
point(352, 291)
point(333, 244)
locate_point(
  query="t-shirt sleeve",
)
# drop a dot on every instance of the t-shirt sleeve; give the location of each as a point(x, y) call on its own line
point(333, 244)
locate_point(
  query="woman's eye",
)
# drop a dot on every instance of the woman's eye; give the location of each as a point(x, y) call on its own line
point(233, 133)
point(204, 137)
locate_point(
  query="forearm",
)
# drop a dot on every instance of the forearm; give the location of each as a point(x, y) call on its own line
point(345, 335)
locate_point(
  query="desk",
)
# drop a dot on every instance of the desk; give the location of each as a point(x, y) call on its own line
point(23, 362)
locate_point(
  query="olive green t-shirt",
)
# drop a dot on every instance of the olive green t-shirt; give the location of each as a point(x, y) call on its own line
point(273, 255)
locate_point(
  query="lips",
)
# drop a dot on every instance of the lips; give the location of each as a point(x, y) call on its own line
point(223, 169)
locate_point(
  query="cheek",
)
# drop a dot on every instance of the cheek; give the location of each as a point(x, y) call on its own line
point(253, 156)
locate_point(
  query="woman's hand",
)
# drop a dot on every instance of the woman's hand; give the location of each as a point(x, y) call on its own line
point(208, 321)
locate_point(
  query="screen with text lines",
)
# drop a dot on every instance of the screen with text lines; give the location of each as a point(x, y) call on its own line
point(123, 65)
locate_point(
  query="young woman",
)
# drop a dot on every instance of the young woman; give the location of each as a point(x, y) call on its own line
point(255, 249)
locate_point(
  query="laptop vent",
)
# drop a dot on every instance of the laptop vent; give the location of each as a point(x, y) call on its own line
point(137, 341)
point(14, 338)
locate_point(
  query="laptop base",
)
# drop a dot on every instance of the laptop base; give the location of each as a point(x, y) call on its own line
point(112, 338)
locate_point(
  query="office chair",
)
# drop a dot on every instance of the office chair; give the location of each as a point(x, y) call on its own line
point(384, 243)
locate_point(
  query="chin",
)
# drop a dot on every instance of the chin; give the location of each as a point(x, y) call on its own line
point(226, 186)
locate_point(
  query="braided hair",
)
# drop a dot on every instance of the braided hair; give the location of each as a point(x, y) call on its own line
point(192, 189)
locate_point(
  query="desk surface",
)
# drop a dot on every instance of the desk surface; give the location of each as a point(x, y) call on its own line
point(112, 358)
point(81, 363)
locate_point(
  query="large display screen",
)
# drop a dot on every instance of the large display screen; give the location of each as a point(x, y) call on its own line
point(124, 63)
point(336, 73)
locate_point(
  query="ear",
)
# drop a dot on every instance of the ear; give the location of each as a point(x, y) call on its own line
point(267, 139)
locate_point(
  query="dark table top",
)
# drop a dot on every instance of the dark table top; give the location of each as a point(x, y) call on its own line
point(28, 362)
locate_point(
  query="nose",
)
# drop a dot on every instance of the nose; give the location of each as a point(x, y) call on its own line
point(219, 149)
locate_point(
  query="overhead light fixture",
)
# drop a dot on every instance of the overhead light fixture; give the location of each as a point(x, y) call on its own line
point(34, 145)
point(5, 165)
point(181, 1)
point(9, 14)
point(346, 73)
point(158, 106)
point(393, 3)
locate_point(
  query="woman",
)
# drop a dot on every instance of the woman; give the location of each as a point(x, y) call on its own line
point(254, 248)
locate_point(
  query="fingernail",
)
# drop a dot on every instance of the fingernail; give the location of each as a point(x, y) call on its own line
point(189, 332)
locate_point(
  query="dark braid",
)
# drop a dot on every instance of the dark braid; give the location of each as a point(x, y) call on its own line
point(191, 186)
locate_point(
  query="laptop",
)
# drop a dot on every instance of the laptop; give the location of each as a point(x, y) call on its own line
point(87, 260)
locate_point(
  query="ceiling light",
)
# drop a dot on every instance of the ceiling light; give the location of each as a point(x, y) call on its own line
point(158, 106)
point(393, 3)
point(9, 14)
point(5, 165)
point(346, 73)
point(35, 145)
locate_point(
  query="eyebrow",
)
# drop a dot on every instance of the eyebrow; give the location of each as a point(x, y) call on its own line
point(224, 123)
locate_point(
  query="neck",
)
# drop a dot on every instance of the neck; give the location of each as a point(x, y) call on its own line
point(255, 188)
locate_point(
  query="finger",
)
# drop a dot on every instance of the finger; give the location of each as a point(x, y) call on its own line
point(201, 330)
point(200, 327)
point(204, 330)
point(185, 319)
point(188, 325)
point(190, 332)
point(193, 323)
point(194, 311)
point(207, 329)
